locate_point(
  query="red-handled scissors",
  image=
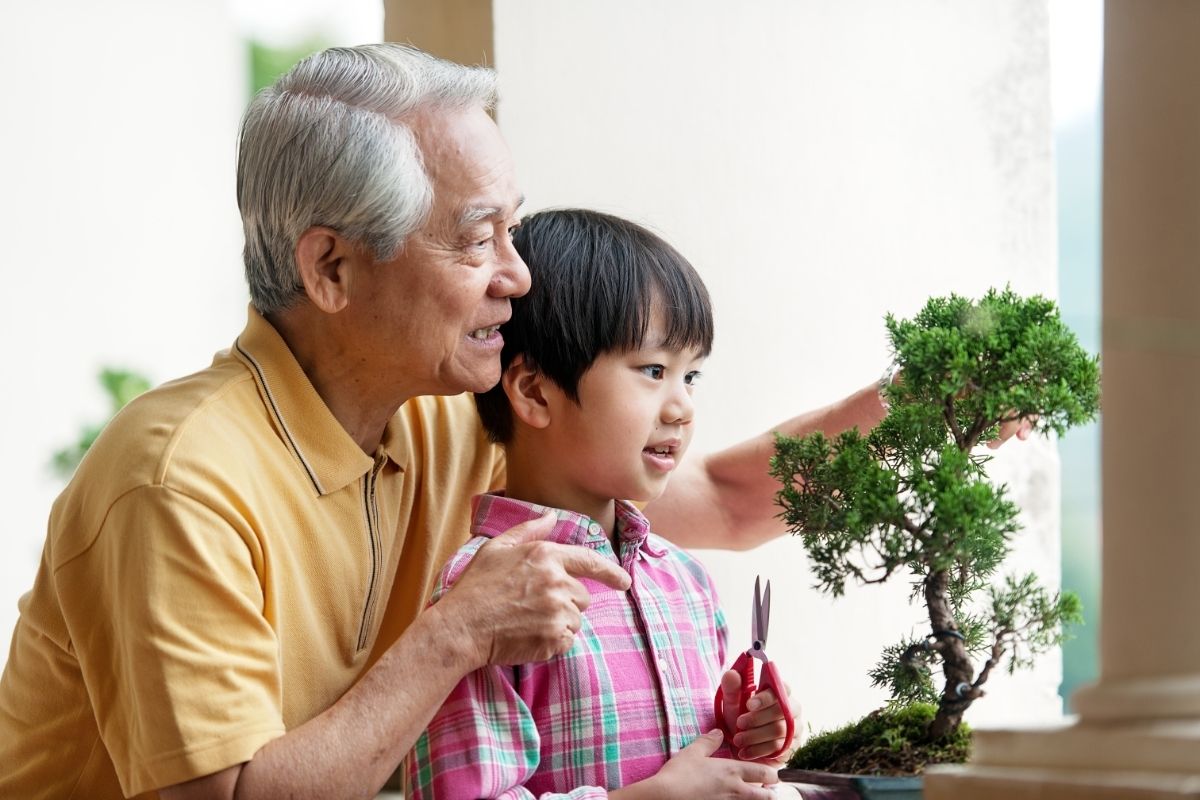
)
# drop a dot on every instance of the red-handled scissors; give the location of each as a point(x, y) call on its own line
point(760, 617)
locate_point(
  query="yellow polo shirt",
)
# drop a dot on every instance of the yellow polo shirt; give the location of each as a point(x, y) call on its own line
point(220, 570)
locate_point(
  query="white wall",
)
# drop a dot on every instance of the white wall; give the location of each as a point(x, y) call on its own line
point(121, 236)
point(821, 163)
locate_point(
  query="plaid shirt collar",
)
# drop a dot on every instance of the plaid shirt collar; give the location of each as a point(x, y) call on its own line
point(493, 514)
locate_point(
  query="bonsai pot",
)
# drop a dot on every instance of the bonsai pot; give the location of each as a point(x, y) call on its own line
point(833, 786)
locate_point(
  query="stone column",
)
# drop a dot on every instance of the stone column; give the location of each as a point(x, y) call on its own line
point(1138, 734)
point(458, 30)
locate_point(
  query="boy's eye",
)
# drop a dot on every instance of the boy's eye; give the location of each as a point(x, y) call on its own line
point(653, 371)
point(693, 377)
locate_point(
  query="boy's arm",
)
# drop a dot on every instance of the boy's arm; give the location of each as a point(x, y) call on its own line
point(482, 743)
point(726, 499)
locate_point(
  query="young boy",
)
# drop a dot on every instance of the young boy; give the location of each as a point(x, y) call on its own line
point(595, 408)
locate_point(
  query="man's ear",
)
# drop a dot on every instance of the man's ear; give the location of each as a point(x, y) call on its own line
point(324, 259)
point(526, 388)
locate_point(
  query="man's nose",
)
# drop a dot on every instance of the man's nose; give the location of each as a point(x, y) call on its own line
point(511, 278)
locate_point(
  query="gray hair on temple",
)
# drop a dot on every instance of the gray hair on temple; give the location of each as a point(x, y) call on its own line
point(328, 145)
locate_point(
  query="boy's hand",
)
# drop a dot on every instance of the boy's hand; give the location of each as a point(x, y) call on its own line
point(693, 772)
point(761, 731)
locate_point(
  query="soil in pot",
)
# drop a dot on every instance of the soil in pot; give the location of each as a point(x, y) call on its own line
point(890, 742)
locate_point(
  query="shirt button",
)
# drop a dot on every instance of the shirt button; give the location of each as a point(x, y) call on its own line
point(594, 529)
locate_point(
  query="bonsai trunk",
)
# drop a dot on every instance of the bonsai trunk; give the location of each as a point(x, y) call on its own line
point(956, 664)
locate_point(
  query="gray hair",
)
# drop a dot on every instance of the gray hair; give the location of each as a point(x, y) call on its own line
point(327, 145)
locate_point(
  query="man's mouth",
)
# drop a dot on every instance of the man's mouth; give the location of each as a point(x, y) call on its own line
point(483, 334)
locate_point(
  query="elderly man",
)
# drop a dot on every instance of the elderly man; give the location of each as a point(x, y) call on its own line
point(229, 602)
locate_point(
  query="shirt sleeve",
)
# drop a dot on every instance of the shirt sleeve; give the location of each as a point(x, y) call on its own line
point(482, 743)
point(165, 614)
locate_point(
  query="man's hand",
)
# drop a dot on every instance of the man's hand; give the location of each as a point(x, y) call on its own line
point(1021, 428)
point(693, 772)
point(761, 731)
point(520, 599)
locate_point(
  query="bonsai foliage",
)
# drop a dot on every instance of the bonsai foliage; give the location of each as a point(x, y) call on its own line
point(912, 497)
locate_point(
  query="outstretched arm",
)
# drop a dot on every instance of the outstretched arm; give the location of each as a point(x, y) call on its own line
point(727, 499)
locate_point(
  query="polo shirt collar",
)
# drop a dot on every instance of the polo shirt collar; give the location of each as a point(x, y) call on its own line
point(310, 431)
point(493, 514)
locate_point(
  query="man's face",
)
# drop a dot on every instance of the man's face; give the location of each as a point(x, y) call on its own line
point(431, 312)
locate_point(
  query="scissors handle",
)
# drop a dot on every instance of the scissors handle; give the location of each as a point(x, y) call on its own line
point(744, 666)
point(769, 679)
point(741, 666)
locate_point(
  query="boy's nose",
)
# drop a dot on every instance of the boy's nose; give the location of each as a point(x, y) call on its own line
point(679, 407)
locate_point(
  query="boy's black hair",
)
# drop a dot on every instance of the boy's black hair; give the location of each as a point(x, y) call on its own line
point(596, 280)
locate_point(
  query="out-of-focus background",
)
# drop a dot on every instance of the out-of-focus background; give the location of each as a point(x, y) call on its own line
point(820, 163)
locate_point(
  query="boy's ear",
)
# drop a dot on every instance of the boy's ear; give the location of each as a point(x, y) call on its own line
point(525, 387)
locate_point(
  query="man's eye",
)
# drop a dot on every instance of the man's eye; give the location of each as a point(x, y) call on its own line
point(654, 371)
point(512, 229)
point(693, 377)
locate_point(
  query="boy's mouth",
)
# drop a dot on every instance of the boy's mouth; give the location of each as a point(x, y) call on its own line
point(662, 456)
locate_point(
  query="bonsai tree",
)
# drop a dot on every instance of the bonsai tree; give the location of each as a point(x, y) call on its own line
point(912, 498)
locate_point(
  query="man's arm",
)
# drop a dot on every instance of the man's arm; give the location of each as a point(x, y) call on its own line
point(727, 499)
point(518, 602)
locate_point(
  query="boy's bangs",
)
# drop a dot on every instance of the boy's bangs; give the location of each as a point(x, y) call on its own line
point(675, 294)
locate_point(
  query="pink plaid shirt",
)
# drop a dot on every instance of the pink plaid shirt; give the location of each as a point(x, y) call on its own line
point(635, 687)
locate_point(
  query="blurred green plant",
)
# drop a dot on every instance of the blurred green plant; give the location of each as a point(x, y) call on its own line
point(268, 62)
point(121, 386)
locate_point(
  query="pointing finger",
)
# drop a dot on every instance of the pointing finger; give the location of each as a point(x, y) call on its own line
point(583, 563)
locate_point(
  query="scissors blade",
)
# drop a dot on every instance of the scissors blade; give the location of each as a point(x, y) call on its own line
point(756, 614)
point(765, 615)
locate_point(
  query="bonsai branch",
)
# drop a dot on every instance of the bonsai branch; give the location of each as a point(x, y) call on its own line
point(993, 659)
point(952, 422)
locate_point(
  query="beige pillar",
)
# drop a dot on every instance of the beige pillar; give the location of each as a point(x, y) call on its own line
point(1138, 735)
point(458, 30)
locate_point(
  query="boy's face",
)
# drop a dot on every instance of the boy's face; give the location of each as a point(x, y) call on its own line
point(631, 427)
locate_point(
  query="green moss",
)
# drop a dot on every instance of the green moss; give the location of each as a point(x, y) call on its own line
point(890, 741)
